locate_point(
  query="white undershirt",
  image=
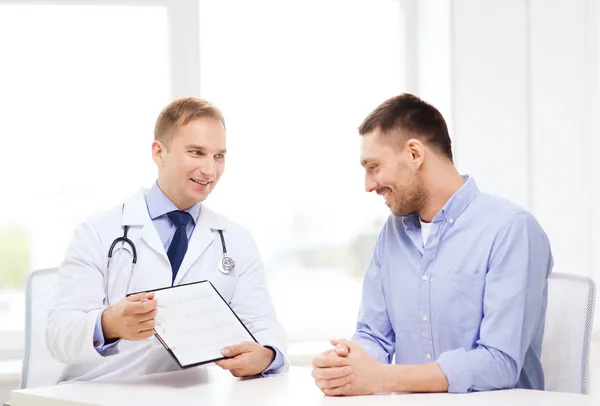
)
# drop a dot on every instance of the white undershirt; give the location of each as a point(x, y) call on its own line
point(425, 228)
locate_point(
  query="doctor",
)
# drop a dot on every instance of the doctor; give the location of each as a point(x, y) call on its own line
point(95, 329)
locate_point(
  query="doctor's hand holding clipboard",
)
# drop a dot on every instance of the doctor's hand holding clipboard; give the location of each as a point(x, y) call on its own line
point(158, 239)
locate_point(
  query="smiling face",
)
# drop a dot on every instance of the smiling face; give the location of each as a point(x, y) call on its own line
point(192, 161)
point(392, 171)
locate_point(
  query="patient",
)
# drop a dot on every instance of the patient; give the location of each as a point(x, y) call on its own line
point(454, 299)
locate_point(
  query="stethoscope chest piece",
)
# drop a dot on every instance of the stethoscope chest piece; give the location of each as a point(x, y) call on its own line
point(226, 265)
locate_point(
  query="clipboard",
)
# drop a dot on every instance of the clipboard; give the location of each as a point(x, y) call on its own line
point(194, 322)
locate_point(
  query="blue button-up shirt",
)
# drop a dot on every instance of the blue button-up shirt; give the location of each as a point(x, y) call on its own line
point(159, 205)
point(473, 297)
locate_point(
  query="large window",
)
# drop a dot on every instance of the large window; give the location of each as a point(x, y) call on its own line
point(295, 80)
point(77, 107)
point(83, 81)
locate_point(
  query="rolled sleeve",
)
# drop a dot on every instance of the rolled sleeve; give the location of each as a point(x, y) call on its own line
point(459, 373)
point(479, 369)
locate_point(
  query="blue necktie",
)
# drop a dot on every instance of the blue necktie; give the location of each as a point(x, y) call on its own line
point(179, 244)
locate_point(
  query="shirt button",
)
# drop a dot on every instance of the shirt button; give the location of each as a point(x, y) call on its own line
point(425, 277)
point(424, 317)
point(96, 343)
point(428, 356)
point(451, 220)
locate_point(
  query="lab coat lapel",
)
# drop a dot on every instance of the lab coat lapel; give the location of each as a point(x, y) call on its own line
point(135, 213)
point(202, 237)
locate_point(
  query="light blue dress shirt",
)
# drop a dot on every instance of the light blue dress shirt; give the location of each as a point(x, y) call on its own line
point(473, 298)
point(159, 205)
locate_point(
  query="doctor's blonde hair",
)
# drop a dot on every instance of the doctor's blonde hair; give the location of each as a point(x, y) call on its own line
point(180, 112)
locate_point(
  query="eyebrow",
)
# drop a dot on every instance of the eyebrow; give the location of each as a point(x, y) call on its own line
point(200, 148)
point(365, 162)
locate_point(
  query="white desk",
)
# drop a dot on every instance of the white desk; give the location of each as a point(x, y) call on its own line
point(213, 386)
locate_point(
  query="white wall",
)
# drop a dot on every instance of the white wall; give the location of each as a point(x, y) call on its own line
point(518, 80)
point(560, 137)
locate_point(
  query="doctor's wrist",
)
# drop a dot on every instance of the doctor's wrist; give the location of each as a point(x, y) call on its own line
point(108, 325)
point(273, 352)
point(270, 355)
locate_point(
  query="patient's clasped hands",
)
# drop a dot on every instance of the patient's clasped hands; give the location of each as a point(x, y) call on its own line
point(347, 370)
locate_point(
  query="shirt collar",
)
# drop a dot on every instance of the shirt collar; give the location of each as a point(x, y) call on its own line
point(159, 204)
point(453, 208)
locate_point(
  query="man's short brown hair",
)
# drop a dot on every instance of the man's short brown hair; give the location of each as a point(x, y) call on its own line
point(407, 113)
point(180, 112)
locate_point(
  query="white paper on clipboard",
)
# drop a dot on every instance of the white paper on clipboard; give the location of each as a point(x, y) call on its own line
point(194, 323)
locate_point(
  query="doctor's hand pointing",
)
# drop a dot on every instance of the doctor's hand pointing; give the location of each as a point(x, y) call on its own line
point(131, 319)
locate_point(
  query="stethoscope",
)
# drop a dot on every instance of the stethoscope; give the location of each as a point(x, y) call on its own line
point(226, 265)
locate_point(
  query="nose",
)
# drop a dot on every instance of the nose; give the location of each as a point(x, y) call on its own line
point(209, 169)
point(370, 184)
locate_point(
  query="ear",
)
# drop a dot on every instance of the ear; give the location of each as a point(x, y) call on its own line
point(158, 151)
point(416, 149)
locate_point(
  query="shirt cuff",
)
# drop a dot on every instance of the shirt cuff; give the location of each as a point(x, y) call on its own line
point(372, 348)
point(99, 344)
point(277, 363)
point(455, 365)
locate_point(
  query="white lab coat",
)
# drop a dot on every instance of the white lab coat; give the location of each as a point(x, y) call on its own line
point(81, 295)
